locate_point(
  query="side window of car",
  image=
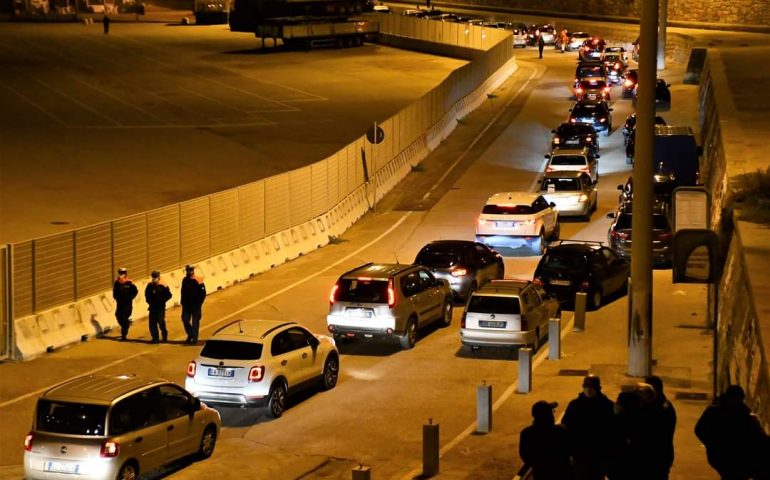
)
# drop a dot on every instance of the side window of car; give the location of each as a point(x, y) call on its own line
point(530, 300)
point(609, 256)
point(597, 261)
point(175, 401)
point(541, 204)
point(410, 284)
point(426, 280)
point(132, 413)
point(281, 344)
point(540, 292)
point(299, 338)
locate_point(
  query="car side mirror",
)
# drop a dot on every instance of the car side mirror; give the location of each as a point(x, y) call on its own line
point(699, 150)
point(668, 84)
point(553, 131)
point(552, 204)
point(547, 155)
point(195, 405)
point(620, 187)
point(314, 342)
point(570, 109)
point(597, 156)
point(611, 215)
point(610, 109)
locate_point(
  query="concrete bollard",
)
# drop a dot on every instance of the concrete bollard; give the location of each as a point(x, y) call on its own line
point(525, 370)
point(362, 472)
point(580, 312)
point(554, 338)
point(484, 408)
point(430, 449)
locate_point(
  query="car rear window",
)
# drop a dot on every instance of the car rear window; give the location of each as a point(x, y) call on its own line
point(70, 418)
point(592, 84)
point(568, 160)
point(561, 184)
point(492, 304)
point(584, 111)
point(221, 349)
point(563, 261)
point(592, 71)
point(507, 209)
point(659, 222)
point(363, 290)
point(437, 259)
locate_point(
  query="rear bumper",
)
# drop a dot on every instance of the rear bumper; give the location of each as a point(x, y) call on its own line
point(486, 338)
point(88, 469)
point(231, 399)
point(346, 331)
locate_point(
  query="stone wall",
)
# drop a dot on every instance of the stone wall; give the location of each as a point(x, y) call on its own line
point(754, 13)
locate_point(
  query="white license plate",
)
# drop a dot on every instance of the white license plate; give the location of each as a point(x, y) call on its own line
point(491, 324)
point(221, 372)
point(505, 224)
point(359, 312)
point(61, 467)
point(563, 283)
point(592, 96)
point(572, 142)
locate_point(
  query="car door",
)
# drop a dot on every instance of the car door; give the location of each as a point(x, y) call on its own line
point(288, 358)
point(430, 297)
point(137, 421)
point(549, 305)
point(486, 260)
point(305, 353)
point(531, 309)
point(597, 266)
point(618, 270)
point(182, 435)
point(547, 212)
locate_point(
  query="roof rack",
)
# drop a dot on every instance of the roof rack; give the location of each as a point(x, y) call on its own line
point(590, 242)
point(262, 337)
point(354, 269)
point(225, 326)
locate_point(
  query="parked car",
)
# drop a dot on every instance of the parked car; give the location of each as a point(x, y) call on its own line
point(574, 193)
point(464, 264)
point(507, 313)
point(592, 49)
point(577, 266)
point(594, 113)
point(592, 89)
point(573, 160)
point(630, 79)
point(116, 426)
point(380, 300)
point(258, 363)
point(662, 94)
point(575, 135)
point(619, 234)
point(516, 219)
point(576, 39)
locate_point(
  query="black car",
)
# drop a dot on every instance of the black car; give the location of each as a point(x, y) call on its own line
point(630, 79)
point(662, 94)
point(663, 185)
point(620, 238)
point(595, 113)
point(589, 70)
point(464, 264)
point(575, 135)
point(590, 267)
point(629, 135)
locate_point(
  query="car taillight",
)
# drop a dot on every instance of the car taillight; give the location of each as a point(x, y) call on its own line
point(617, 65)
point(550, 169)
point(583, 197)
point(482, 221)
point(391, 294)
point(585, 286)
point(30, 436)
point(333, 294)
point(628, 83)
point(664, 236)
point(589, 139)
point(538, 281)
point(110, 449)
point(578, 90)
point(459, 272)
point(619, 235)
point(556, 140)
point(191, 369)
point(524, 323)
point(586, 169)
point(256, 373)
point(602, 120)
point(527, 223)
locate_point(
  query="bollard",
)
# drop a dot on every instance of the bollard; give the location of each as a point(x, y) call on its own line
point(362, 473)
point(580, 312)
point(525, 370)
point(430, 449)
point(484, 408)
point(554, 338)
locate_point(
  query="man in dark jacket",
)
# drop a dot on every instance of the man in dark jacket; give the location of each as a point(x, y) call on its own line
point(588, 419)
point(544, 446)
point(540, 44)
point(193, 295)
point(662, 429)
point(156, 294)
point(123, 291)
point(736, 445)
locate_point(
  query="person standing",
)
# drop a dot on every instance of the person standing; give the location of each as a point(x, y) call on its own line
point(124, 291)
point(156, 294)
point(588, 419)
point(564, 39)
point(544, 446)
point(663, 428)
point(193, 296)
point(106, 24)
point(736, 445)
point(540, 44)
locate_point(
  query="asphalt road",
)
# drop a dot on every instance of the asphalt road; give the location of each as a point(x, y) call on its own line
point(384, 395)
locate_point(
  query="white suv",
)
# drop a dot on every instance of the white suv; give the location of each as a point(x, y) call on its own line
point(573, 160)
point(255, 363)
point(512, 220)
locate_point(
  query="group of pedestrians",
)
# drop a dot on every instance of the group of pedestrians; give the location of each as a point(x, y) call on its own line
point(156, 294)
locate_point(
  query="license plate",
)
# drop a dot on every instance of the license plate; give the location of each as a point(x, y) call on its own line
point(221, 372)
point(359, 312)
point(563, 283)
point(572, 142)
point(592, 96)
point(61, 467)
point(491, 324)
point(505, 224)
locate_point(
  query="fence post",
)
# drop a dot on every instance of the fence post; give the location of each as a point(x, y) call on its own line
point(430, 449)
point(525, 370)
point(580, 312)
point(554, 338)
point(484, 408)
point(362, 472)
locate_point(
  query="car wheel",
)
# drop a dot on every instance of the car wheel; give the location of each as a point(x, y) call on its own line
point(208, 442)
point(538, 246)
point(331, 372)
point(129, 471)
point(409, 339)
point(276, 402)
point(446, 317)
point(596, 299)
point(608, 131)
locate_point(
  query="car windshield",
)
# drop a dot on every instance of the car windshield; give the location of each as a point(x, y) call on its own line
point(70, 418)
point(430, 258)
point(568, 160)
point(491, 304)
point(363, 290)
point(563, 261)
point(561, 185)
point(221, 349)
point(507, 209)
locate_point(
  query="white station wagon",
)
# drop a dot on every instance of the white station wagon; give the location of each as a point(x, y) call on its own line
point(512, 220)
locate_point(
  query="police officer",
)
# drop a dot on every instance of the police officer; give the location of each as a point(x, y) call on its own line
point(193, 296)
point(156, 294)
point(124, 291)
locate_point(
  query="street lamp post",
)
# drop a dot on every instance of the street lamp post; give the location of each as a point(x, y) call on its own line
point(662, 25)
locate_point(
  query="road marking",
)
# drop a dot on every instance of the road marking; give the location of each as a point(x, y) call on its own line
point(478, 137)
point(77, 102)
point(539, 357)
point(32, 102)
point(532, 188)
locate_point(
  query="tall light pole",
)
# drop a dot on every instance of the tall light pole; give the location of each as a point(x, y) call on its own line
point(662, 25)
point(640, 323)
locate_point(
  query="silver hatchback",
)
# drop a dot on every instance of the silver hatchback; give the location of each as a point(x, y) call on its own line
point(105, 427)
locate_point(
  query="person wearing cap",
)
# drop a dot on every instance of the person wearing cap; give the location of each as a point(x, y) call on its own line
point(544, 446)
point(589, 419)
point(663, 428)
point(156, 294)
point(737, 446)
point(193, 296)
point(123, 291)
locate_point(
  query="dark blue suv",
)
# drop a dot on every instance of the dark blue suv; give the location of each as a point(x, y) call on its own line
point(595, 113)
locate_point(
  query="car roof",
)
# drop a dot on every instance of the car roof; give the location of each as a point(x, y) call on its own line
point(582, 127)
point(565, 174)
point(450, 243)
point(99, 389)
point(381, 271)
point(570, 151)
point(250, 330)
point(505, 287)
point(512, 198)
point(580, 248)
